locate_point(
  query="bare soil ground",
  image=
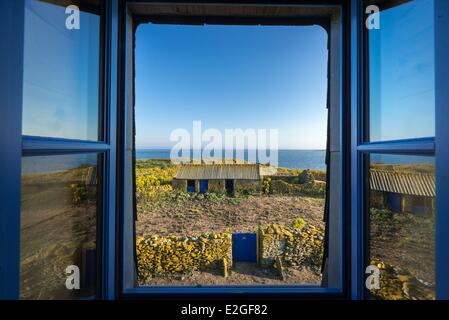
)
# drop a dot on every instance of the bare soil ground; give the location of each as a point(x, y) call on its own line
point(406, 241)
point(198, 217)
point(54, 234)
point(241, 273)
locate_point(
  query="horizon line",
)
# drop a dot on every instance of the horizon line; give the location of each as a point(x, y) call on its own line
point(163, 148)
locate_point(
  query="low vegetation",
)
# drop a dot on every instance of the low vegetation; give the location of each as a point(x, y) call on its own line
point(175, 227)
point(154, 177)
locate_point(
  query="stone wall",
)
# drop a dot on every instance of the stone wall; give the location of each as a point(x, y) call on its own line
point(408, 203)
point(168, 255)
point(295, 246)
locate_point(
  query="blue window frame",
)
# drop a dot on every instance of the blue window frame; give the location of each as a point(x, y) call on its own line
point(117, 280)
point(428, 146)
point(135, 13)
point(16, 146)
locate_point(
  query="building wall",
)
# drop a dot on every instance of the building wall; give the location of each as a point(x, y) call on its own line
point(179, 184)
point(402, 202)
point(197, 185)
point(241, 186)
point(217, 186)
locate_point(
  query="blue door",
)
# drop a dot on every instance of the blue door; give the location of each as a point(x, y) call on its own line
point(394, 202)
point(204, 184)
point(244, 247)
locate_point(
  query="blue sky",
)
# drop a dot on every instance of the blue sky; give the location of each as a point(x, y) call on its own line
point(61, 75)
point(232, 77)
point(268, 77)
point(402, 73)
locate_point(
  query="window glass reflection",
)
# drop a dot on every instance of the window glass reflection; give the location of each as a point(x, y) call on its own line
point(61, 71)
point(402, 226)
point(58, 226)
point(401, 72)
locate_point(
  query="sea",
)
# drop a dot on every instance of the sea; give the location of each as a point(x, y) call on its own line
point(292, 159)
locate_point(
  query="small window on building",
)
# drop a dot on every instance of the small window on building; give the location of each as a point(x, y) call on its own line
point(230, 187)
point(190, 185)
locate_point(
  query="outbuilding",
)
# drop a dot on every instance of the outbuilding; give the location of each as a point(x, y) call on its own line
point(227, 178)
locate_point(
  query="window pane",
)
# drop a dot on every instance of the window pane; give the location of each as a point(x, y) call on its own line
point(58, 226)
point(401, 72)
point(61, 71)
point(402, 225)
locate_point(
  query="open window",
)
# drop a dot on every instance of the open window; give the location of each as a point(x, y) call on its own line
point(230, 177)
point(68, 166)
point(61, 190)
point(400, 150)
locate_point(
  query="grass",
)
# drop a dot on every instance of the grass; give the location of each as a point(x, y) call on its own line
point(154, 176)
point(154, 163)
point(180, 198)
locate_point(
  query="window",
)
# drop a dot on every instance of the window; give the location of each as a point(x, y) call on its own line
point(394, 224)
point(233, 200)
point(397, 153)
point(59, 225)
point(62, 184)
point(401, 225)
point(146, 224)
point(61, 71)
point(190, 185)
point(401, 72)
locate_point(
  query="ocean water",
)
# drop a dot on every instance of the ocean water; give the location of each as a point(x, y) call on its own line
point(293, 159)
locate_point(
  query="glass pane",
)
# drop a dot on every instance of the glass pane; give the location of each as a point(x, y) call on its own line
point(401, 72)
point(58, 226)
point(61, 71)
point(402, 226)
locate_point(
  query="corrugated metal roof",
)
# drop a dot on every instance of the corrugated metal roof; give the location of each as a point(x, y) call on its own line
point(218, 171)
point(267, 171)
point(416, 184)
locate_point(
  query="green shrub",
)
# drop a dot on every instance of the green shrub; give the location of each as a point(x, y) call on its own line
point(154, 163)
point(246, 188)
point(281, 187)
point(267, 185)
point(298, 223)
point(79, 193)
point(313, 190)
point(306, 177)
